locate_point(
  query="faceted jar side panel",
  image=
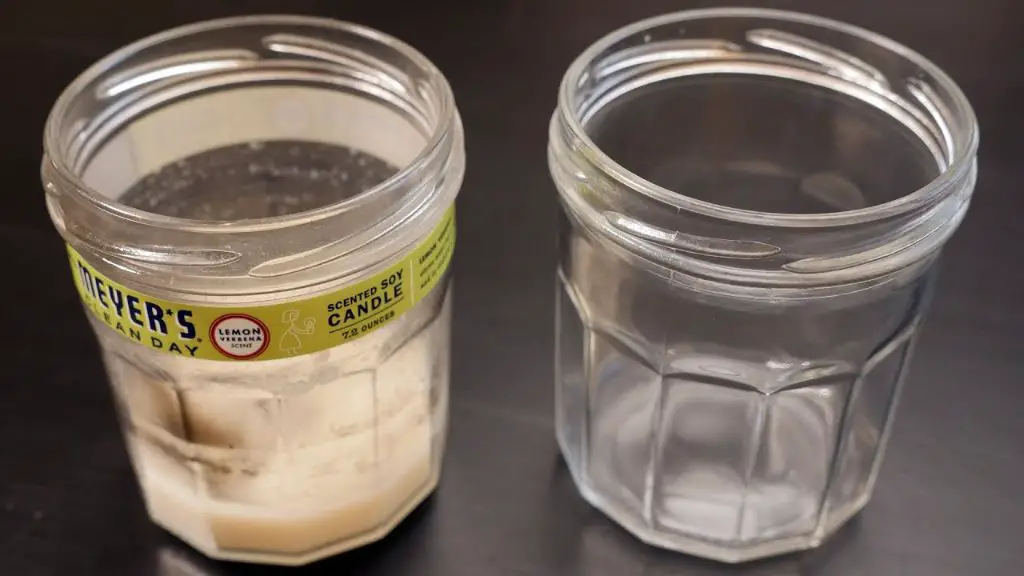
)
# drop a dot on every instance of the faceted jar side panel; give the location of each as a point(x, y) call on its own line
point(571, 341)
point(731, 431)
point(869, 416)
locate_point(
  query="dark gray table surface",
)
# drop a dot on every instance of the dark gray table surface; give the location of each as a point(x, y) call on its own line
point(949, 500)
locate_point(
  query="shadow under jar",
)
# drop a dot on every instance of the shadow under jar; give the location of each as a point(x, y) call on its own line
point(259, 215)
point(753, 203)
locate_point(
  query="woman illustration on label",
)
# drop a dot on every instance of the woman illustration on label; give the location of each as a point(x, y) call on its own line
point(290, 341)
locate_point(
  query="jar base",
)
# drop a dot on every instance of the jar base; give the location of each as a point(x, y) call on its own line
point(728, 553)
point(210, 549)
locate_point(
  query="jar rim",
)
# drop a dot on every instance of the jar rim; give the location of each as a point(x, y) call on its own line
point(965, 141)
point(433, 146)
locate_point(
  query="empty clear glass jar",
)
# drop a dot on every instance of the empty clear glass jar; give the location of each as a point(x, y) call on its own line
point(259, 214)
point(753, 205)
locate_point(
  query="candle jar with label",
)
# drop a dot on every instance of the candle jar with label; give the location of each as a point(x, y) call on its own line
point(259, 217)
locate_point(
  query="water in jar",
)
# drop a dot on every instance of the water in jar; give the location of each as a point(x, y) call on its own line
point(257, 180)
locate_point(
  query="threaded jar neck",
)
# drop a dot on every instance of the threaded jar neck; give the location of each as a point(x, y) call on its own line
point(241, 81)
point(767, 103)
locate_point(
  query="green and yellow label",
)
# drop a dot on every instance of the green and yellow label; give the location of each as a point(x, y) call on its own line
point(274, 331)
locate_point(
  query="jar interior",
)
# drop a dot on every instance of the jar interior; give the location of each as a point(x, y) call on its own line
point(762, 143)
point(251, 152)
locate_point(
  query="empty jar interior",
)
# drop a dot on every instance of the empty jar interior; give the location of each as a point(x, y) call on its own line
point(769, 117)
point(762, 143)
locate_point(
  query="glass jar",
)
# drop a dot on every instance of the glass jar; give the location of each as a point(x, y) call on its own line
point(259, 218)
point(753, 205)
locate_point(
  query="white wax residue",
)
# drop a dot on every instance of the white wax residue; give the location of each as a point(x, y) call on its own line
point(287, 460)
